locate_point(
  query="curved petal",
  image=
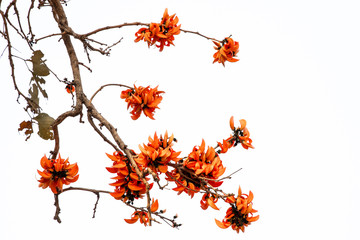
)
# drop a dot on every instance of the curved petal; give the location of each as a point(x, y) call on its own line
point(221, 224)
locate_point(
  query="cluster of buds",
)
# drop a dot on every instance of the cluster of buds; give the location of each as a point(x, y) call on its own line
point(142, 99)
point(161, 33)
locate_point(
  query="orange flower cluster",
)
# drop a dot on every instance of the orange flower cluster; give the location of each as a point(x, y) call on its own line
point(57, 172)
point(142, 215)
point(158, 153)
point(200, 165)
point(142, 99)
point(208, 200)
point(128, 185)
point(162, 33)
point(226, 51)
point(240, 214)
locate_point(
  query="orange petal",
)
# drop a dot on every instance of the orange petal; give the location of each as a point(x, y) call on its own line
point(251, 197)
point(118, 195)
point(218, 45)
point(232, 123)
point(114, 158)
point(133, 186)
point(163, 168)
point(253, 219)
point(202, 146)
point(212, 204)
point(154, 206)
point(43, 162)
point(242, 124)
point(132, 220)
point(72, 179)
point(239, 191)
point(44, 174)
point(134, 176)
point(73, 170)
point(220, 224)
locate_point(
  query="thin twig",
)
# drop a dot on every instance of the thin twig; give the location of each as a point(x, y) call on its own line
point(201, 35)
point(112, 27)
point(106, 85)
point(51, 35)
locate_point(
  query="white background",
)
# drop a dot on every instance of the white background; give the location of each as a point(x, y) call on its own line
point(296, 84)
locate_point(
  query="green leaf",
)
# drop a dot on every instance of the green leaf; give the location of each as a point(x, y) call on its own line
point(39, 66)
point(45, 130)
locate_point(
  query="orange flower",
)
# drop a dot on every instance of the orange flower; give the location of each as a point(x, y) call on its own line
point(142, 215)
point(128, 185)
point(158, 153)
point(205, 164)
point(143, 34)
point(70, 88)
point(226, 51)
point(186, 184)
point(240, 214)
point(142, 99)
point(162, 33)
point(199, 168)
point(209, 200)
point(57, 172)
point(226, 145)
point(240, 134)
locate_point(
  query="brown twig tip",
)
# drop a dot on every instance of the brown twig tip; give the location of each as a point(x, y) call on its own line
point(107, 85)
point(57, 206)
point(96, 203)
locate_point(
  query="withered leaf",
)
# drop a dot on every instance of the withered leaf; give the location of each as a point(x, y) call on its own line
point(28, 126)
point(38, 79)
point(45, 130)
point(34, 93)
point(39, 66)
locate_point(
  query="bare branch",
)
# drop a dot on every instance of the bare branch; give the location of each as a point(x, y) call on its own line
point(30, 102)
point(100, 133)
